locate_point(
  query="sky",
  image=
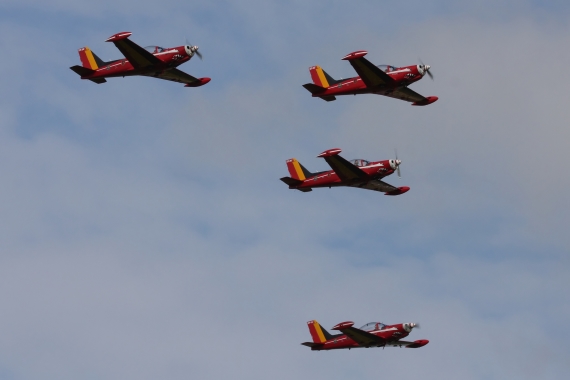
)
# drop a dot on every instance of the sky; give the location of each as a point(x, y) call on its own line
point(144, 232)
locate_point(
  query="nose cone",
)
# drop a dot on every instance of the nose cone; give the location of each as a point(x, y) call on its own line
point(190, 50)
point(394, 164)
point(423, 69)
point(409, 326)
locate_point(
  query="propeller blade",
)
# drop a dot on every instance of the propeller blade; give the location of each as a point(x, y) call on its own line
point(430, 74)
point(200, 55)
point(397, 163)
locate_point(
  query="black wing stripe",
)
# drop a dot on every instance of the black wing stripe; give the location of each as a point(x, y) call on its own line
point(371, 75)
point(344, 169)
point(137, 56)
point(363, 338)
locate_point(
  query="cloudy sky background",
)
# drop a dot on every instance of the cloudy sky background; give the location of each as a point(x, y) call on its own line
point(145, 234)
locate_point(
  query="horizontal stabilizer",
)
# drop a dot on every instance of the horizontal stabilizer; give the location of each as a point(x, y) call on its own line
point(82, 70)
point(311, 344)
point(291, 181)
point(313, 88)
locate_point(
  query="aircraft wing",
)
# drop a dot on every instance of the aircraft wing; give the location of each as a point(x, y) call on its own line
point(174, 75)
point(377, 185)
point(371, 75)
point(363, 338)
point(344, 169)
point(137, 56)
point(404, 93)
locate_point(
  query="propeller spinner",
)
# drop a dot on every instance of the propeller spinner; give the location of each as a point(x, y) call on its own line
point(192, 49)
point(424, 69)
point(409, 326)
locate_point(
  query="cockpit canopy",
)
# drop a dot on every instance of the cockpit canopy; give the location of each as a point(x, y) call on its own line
point(372, 326)
point(387, 68)
point(154, 49)
point(360, 162)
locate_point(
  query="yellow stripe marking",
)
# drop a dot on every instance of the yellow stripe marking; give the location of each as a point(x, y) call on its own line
point(319, 332)
point(298, 170)
point(322, 77)
point(91, 59)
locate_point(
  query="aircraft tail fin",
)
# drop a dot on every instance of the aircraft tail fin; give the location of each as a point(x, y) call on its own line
point(89, 59)
point(321, 78)
point(297, 171)
point(318, 334)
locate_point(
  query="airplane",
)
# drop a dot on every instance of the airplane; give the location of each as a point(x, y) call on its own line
point(373, 334)
point(381, 80)
point(356, 173)
point(152, 61)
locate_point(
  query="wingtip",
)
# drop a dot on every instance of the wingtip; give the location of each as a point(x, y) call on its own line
point(398, 191)
point(330, 152)
point(429, 100)
point(354, 55)
point(198, 83)
point(118, 36)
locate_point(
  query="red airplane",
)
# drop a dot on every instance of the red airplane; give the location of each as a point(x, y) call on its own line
point(152, 61)
point(382, 80)
point(355, 173)
point(373, 334)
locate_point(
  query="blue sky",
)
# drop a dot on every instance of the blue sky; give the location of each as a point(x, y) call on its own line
point(145, 232)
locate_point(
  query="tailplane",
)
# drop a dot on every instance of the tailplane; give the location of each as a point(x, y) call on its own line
point(85, 72)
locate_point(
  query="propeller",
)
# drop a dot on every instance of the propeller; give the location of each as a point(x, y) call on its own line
point(397, 163)
point(194, 49)
point(415, 325)
point(426, 68)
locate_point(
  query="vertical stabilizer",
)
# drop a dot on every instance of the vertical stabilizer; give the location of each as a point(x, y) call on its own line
point(297, 171)
point(89, 60)
point(321, 78)
point(318, 334)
